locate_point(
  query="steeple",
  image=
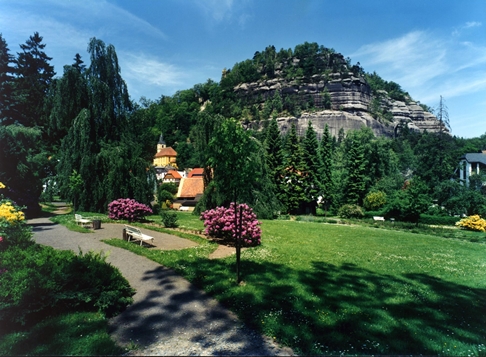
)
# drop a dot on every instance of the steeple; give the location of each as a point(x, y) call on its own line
point(161, 144)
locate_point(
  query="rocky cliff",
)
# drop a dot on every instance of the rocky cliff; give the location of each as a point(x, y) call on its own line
point(352, 104)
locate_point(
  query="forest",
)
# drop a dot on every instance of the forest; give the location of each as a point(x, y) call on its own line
point(79, 135)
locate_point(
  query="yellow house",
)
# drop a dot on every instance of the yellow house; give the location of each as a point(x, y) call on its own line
point(165, 156)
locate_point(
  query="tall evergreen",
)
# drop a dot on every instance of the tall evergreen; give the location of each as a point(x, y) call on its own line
point(312, 165)
point(292, 194)
point(355, 183)
point(274, 152)
point(7, 101)
point(326, 154)
point(34, 77)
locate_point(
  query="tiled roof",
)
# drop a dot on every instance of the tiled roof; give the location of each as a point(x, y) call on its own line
point(196, 172)
point(166, 152)
point(190, 187)
point(172, 174)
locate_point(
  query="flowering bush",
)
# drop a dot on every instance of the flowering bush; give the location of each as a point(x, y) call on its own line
point(129, 209)
point(220, 223)
point(473, 223)
point(10, 213)
point(13, 229)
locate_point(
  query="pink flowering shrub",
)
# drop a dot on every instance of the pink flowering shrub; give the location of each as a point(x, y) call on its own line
point(129, 209)
point(220, 223)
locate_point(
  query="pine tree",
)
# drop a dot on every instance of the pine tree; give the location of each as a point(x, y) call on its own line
point(34, 77)
point(355, 185)
point(312, 167)
point(326, 154)
point(292, 193)
point(7, 101)
point(274, 152)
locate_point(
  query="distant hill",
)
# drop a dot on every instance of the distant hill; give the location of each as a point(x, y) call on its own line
point(314, 83)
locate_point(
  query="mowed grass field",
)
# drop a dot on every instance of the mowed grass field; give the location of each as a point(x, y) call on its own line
point(343, 289)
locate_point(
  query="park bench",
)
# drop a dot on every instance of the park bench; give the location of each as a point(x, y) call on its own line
point(80, 220)
point(378, 218)
point(135, 234)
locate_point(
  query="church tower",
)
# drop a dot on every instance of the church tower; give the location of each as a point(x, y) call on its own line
point(161, 144)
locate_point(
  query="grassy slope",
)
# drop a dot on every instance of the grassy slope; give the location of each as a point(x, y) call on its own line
point(323, 288)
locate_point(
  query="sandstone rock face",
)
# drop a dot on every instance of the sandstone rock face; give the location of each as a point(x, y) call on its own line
point(351, 99)
point(335, 120)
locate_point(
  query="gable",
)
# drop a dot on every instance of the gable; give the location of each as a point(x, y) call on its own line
point(190, 187)
point(196, 172)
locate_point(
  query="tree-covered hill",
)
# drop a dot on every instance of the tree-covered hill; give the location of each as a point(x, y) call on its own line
point(310, 116)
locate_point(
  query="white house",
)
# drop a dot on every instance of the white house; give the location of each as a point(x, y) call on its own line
point(471, 164)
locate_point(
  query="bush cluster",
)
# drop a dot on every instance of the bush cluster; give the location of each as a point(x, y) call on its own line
point(350, 211)
point(38, 281)
point(473, 223)
point(129, 209)
point(169, 219)
point(220, 223)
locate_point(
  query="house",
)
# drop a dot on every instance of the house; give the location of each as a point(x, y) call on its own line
point(172, 176)
point(197, 172)
point(189, 192)
point(470, 164)
point(165, 156)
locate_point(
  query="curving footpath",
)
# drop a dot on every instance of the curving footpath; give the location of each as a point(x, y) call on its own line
point(169, 315)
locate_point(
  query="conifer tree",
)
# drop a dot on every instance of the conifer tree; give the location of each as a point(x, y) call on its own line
point(292, 194)
point(326, 154)
point(274, 152)
point(34, 77)
point(7, 100)
point(355, 184)
point(312, 166)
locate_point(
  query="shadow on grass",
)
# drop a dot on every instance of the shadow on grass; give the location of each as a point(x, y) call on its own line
point(347, 309)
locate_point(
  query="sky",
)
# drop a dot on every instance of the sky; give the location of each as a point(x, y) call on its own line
point(431, 48)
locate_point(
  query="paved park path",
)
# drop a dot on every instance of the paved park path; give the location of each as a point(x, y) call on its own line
point(169, 315)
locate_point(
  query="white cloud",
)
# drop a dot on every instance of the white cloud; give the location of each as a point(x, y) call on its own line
point(218, 10)
point(458, 30)
point(427, 66)
point(148, 70)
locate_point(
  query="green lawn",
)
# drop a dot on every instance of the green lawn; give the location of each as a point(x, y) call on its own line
point(335, 289)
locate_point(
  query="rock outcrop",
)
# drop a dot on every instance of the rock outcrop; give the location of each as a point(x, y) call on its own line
point(352, 104)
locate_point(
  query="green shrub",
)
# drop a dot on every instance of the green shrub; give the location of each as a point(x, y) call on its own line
point(169, 219)
point(374, 200)
point(39, 281)
point(371, 214)
point(350, 211)
point(438, 220)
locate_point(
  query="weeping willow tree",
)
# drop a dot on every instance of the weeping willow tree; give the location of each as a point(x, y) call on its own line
point(101, 144)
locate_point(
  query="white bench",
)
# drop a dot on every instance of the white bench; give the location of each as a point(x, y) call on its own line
point(135, 234)
point(378, 218)
point(80, 220)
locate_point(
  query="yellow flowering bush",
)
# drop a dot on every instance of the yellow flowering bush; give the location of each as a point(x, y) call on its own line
point(10, 213)
point(473, 223)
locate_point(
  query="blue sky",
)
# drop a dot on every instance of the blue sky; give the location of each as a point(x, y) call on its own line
point(431, 48)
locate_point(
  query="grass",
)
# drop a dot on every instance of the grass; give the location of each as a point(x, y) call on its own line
point(348, 289)
point(80, 334)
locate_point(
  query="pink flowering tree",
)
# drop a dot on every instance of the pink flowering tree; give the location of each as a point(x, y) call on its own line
point(129, 209)
point(220, 223)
